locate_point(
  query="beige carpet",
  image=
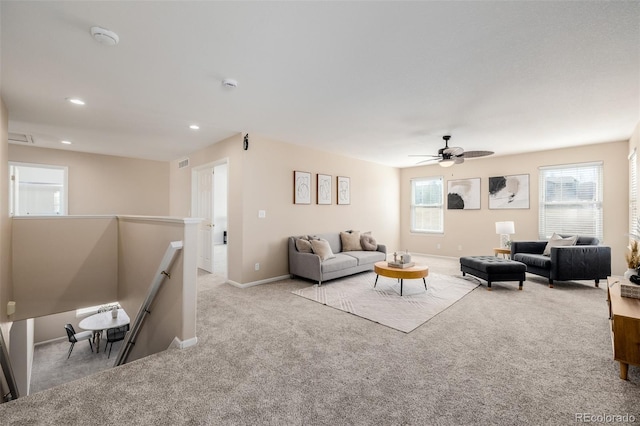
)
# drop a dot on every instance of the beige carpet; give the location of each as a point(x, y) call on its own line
point(384, 305)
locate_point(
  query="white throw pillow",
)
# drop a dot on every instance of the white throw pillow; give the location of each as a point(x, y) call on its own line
point(350, 241)
point(368, 242)
point(304, 245)
point(557, 241)
point(322, 248)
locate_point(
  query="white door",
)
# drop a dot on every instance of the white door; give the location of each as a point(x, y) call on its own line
point(204, 210)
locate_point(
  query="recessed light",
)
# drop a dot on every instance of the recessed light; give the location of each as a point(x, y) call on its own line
point(194, 127)
point(230, 82)
point(66, 142)
point(76, 101)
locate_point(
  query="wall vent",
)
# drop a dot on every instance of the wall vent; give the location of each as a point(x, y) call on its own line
point(20, 138)
point(183, 163)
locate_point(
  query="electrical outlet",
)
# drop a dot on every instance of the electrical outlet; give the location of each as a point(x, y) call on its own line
point(257, 266)
point(262, 214)
point(459, 248)
point(438, 246)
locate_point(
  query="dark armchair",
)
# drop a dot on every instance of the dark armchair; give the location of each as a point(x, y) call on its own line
point(587, 260)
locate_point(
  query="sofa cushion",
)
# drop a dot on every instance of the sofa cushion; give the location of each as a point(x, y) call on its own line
point(557, 241)
point(535, 260)
point(322, 248)
point(350, 241)
point(368, 242)
point(338, 262)
point(304, 245)
point(367, 257)
point(333, 238)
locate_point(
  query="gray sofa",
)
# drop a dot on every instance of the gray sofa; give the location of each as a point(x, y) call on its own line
point(309, 265)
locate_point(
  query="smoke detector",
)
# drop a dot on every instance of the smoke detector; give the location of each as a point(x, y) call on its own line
point(105, 36)
point(229, 82)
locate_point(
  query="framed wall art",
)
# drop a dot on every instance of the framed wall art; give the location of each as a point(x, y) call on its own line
point(301, 187)
point(323, 189)
point(509, 192)
point(463, 194)
point(344, 190)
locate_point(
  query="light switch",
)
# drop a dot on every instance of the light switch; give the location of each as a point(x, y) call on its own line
point(262, 214)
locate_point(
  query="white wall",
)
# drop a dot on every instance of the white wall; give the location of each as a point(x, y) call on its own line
point(261, 178)
point(472, 232)
point(21, 354)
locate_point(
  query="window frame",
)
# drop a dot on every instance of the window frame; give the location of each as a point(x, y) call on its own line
point(414, 205)
point(64, 196)
point(545, 230)
point(633, 193)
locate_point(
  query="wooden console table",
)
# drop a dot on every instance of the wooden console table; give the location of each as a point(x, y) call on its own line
point(624, 313)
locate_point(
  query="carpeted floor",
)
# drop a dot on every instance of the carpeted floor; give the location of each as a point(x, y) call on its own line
point(267, 356)
point(51, 367)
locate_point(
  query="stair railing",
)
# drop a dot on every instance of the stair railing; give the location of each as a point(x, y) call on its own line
point(8, 372)
point(145, 309)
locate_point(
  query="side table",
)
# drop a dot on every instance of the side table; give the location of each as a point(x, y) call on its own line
point(624, 314)
point(503, 251)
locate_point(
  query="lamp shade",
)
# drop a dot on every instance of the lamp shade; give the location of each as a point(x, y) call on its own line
point(507, 228)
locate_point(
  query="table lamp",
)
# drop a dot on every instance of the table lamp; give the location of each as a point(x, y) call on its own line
point(505, 229)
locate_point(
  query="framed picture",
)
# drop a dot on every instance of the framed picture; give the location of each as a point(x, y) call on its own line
point(344, 190)
point(509, 192)
point(301, 187)
point(324, 189)
point(463, 194)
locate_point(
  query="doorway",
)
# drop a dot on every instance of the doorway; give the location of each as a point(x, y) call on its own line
point(209, 202)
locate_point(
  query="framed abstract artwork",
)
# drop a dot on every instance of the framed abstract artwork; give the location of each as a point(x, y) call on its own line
point(301, 187)
point(509, 192)
point(324, 189)
point(463, 194)
point(344, 190)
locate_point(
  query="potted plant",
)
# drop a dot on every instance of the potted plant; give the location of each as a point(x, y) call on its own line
point(633, 259)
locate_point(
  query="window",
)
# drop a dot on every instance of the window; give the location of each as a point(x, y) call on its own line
point(427, 212)
point(571, 200)
point(37, 189)
point(633, 193)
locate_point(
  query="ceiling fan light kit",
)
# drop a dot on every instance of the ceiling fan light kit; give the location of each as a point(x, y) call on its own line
point(448, 156)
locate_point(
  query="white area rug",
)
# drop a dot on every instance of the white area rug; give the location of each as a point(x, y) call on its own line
point(384, 304)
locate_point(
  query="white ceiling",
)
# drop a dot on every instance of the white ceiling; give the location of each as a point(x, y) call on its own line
point(371, 80)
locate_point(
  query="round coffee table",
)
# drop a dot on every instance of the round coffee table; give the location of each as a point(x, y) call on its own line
point(414, 272)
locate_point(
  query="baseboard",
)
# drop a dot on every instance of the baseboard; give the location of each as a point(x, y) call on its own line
point(57, 339)
point(435, 255)
point(254, 283)
point(183, 344)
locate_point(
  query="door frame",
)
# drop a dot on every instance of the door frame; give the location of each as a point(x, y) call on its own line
point(194, 195)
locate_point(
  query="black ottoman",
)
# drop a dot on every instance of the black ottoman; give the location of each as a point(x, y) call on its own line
point(491, 269)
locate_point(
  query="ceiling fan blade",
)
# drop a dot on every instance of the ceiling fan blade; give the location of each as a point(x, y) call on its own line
point(459, 159)
point(474, 154)
point(424, 155)
point(453, 150)
point(430, 160)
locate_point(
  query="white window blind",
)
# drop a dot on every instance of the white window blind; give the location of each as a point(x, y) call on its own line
point(633, 192)
point(571, 200)
point(427, 207)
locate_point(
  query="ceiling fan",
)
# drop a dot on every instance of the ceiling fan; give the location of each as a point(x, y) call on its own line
point(448, 156)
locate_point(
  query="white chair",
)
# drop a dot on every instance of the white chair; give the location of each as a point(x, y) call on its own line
point(76, 337)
